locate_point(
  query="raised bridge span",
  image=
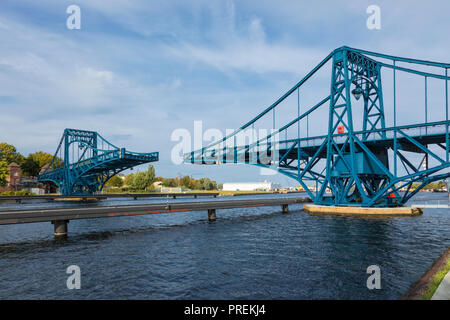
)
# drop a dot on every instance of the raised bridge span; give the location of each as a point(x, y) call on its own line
point(84, 161)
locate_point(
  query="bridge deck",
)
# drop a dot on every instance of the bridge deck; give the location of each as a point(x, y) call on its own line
point(113, 195)
point(403, 144)
point(425, 134)
point(107, 161)
point(64, 214)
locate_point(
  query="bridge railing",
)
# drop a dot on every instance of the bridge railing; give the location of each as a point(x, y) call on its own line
point(414, 130)
point(217, 155)
point(138, 155)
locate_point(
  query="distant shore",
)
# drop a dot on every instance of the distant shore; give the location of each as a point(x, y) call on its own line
point(220, 192)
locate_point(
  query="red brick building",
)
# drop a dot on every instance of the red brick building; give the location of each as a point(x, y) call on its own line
point(13, 179)
point(16, 182)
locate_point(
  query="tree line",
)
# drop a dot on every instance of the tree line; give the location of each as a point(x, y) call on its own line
point(30, 165)
point(145, 181)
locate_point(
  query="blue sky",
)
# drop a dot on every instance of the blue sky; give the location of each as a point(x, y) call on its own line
point(137, 70)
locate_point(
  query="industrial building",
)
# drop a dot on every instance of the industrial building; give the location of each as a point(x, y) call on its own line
point(251, 186)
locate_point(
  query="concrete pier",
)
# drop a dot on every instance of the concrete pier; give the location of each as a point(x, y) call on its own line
point(212, 214)
point(60, 228)
point(362, 211)
point(135, 196)
point(61, 216)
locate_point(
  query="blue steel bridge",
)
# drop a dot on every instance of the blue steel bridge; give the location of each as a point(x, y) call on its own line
point(359, 160)
point(84, 161)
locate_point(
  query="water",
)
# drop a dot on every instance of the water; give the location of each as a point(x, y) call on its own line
point(248, 253)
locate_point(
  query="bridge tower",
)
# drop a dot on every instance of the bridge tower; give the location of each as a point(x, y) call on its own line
point(356, 162)
point(353, 170)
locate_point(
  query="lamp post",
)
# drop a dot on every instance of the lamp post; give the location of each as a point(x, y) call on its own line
point(358, 91)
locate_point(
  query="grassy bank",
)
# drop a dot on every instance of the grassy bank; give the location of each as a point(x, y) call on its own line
point(436, 281)
point(426, 286)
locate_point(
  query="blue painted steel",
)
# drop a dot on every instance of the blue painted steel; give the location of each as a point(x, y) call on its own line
point(349, 167)
point(84, 161)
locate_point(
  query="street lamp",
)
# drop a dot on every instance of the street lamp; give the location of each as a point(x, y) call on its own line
point(358, 91)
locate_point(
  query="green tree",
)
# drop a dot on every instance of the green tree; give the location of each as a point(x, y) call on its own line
point(128, 179)
point(115, 181)
point(34, 162)
point(143, 180)
point(151, 173)
point(3, 172)
point(169, 182)
point(207, 184)
point(30, 167)
point(187, 182)
point(41, 158)
point(196, 184)
point(10, 154)
point(139, 182)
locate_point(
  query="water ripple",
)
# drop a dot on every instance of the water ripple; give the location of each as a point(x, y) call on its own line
point(248, 253)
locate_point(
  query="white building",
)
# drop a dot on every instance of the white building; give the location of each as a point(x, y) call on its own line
point(251, 186)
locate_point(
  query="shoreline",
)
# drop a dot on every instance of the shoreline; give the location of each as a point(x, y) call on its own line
point(425, 287)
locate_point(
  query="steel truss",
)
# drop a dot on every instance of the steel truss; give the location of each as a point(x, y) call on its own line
point(347, 166)
point(84, 161)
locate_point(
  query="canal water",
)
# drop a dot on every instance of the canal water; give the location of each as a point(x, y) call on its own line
point(248, 253)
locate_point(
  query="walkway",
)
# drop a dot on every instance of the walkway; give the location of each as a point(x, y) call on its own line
point(443, 291)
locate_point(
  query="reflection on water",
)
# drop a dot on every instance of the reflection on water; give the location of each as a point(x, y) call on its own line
point(248, 253)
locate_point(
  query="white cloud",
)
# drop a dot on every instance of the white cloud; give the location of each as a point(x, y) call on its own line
point(256, 57)
point(247, 50)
